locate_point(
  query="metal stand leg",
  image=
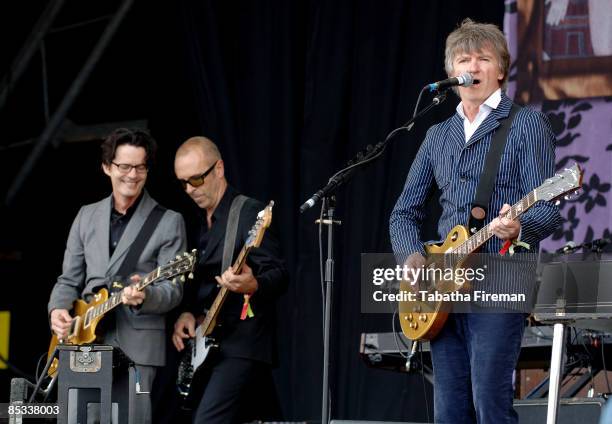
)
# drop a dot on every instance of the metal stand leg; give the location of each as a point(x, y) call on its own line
point(556, 370)
point(329, 206)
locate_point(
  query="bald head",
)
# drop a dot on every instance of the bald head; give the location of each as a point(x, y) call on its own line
point(199, 166)
point(199, 146)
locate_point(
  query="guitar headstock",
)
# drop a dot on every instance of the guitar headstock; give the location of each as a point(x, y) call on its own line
point(183, 264)
point(256, 233)
point(562, 184)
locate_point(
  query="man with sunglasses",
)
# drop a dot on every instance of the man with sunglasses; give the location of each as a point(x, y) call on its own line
point(99, 247)
point(241, 369)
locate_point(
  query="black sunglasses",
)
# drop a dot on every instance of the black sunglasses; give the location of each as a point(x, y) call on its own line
point(199, 180)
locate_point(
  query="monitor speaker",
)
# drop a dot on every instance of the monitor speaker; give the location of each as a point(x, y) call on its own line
point(571, 411)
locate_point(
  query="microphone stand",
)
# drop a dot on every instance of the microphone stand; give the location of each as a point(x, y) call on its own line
point(328, 209)
point(40, 380)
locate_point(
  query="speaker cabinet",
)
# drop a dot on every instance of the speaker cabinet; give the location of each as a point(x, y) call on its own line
point(571, 411)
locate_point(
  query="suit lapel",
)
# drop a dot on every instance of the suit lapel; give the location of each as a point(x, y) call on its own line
point(101, 221)
point(457, 132)
point(492, 121)
point(131, 231)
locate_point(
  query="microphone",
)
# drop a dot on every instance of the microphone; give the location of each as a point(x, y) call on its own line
point(466, 79)
point(569, 247)
point(598, 244)
point(329, 188)
point(311, 202)
point(601, 242)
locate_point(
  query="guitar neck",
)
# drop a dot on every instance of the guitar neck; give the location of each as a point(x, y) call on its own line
point(484, 234)
point(115, 298)
point(213, 312)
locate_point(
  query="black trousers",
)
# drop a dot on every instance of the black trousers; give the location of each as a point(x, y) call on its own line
point(237, 390)
point(227, 390)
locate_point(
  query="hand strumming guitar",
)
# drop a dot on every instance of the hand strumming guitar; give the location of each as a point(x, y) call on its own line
point(60, 322)
point(184, 328)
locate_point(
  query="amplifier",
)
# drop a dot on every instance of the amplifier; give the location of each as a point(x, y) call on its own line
point(383, 350)
point(571, 411)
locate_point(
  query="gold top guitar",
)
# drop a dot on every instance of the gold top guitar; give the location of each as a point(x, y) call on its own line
point(424, 320)
point(88, 315)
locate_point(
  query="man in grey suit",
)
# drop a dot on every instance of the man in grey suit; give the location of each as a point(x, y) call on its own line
point(98, 243)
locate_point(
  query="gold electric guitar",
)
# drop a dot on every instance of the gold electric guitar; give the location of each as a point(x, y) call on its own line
point(88, 315)
point(423, 320)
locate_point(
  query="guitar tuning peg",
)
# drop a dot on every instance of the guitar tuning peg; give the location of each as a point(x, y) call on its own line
point(567, 197)
point(558, 202)
point(178, 256)
point(174, 280)
point(190, 276)
point(182, 278)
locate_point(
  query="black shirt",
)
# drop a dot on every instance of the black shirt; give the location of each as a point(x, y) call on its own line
point(118, 223)
point(251, 338)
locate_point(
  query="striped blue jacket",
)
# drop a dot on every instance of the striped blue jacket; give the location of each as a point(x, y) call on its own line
point(445, 159)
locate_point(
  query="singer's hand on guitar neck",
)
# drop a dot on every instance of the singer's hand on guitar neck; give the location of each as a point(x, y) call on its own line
point(60, 322)
point(504, 228)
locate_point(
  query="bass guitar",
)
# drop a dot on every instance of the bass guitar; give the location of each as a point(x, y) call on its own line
point(199, 348)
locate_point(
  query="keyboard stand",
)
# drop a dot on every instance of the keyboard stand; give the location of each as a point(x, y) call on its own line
point(557, 364)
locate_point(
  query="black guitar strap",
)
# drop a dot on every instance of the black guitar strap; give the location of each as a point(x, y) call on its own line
point(146, 231)
point(480, 205)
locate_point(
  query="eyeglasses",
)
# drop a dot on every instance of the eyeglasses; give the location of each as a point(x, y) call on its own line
point(199, 180)
point(126, 168)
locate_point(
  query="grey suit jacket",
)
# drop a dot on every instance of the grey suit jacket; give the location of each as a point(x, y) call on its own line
point(139, 332)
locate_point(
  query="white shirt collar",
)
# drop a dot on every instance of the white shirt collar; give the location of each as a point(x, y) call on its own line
point(491, 103)
point(484, 110)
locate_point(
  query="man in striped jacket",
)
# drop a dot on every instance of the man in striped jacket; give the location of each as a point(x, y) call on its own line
point(475, 354)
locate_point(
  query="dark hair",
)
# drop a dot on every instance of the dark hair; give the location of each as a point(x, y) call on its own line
point(134, 137)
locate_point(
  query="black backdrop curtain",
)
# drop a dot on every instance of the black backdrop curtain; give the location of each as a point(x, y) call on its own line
point(290, 91)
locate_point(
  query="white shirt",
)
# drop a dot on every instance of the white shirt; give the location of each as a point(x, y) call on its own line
point(483, 111)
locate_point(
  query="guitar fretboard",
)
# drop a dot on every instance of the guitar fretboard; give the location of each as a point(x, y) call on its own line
point(213, 312)
point(480, 237)
point(115, 298)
